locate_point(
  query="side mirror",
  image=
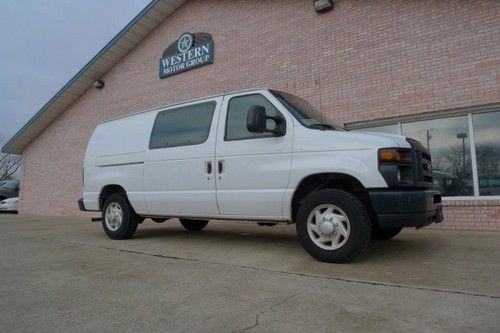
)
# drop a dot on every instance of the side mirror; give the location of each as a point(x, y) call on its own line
point(257, 121)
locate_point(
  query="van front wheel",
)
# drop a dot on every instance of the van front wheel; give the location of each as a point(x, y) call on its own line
point(118, 217)
point(193, 225)
point(333, 226)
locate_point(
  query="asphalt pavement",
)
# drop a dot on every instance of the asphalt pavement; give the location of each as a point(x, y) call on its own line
point(63, 274)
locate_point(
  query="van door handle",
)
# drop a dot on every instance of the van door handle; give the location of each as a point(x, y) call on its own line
point(209, 167)
point(220, 167)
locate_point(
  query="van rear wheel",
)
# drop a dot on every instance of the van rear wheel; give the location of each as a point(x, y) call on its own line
point(193, 225)
point(119, 220)
point(333, 226)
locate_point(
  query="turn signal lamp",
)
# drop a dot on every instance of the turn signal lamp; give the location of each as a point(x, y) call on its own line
point(390, 155)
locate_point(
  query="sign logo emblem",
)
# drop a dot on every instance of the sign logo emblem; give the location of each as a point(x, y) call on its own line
point(185, 42)
point(190, 51)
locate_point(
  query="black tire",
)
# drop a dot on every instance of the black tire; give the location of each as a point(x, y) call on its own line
point(384, 234)
point(193, 225)
point(130, 219)
point(359, 221)
point(158, 220)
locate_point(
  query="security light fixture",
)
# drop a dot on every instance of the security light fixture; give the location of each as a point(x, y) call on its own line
point(98, 84)
point(322, 5)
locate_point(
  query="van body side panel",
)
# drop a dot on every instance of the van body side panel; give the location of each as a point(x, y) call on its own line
point(120, 159)
point(176, 179)
point(115, 156)
point(318, 151)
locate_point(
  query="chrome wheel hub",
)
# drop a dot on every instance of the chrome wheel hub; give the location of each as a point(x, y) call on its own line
point(328, 226)
point(113, 216)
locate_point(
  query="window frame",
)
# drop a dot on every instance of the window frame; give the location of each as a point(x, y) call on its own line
point(250, 138)
point(178, 107)
point(469, 113)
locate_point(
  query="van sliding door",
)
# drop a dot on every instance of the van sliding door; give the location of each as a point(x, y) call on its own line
point(179, 166)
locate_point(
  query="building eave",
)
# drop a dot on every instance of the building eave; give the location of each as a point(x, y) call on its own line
point(131, 35)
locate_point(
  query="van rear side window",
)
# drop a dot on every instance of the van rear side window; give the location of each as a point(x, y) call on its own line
point(182, 126)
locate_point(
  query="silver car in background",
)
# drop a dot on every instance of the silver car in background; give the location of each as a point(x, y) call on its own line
point(9, 205)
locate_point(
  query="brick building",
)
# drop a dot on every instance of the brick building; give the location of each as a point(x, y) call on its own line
point(426, 69)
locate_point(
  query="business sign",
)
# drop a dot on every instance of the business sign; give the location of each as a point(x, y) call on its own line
point(188, 52)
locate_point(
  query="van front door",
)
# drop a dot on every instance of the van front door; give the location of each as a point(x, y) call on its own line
point(252, 168)
point(179, 164)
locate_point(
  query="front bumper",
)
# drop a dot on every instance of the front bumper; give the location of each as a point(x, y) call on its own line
point(406, 208)
point(81, 206)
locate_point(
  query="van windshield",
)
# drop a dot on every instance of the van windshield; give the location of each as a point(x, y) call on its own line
point(305, 113)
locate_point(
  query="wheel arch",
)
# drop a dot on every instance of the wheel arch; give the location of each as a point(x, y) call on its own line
point(334, 180)
point(108, 190)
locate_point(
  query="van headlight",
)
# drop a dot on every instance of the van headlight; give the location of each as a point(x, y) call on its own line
point(395, 165)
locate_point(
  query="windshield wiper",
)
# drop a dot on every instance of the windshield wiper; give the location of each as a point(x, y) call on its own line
point(322, 126)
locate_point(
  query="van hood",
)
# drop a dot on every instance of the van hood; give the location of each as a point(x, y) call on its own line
point(399, 140)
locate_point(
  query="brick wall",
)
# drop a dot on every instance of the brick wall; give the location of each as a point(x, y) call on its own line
point(471, 215)
point(363, 60)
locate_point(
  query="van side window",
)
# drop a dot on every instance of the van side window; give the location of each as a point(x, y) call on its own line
point(236, 119)
point(182, 126)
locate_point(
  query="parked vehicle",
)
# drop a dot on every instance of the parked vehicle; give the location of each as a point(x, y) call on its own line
point(9, 189)
point(9, 205)
point(258, 155)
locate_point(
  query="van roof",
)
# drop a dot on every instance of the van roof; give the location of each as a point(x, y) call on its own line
point(184, 102)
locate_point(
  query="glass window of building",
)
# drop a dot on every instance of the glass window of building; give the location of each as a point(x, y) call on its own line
point(448, 141)
point(391, 129)
point(487, 142)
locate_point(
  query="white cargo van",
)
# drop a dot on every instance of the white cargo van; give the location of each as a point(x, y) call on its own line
point(258, 155)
